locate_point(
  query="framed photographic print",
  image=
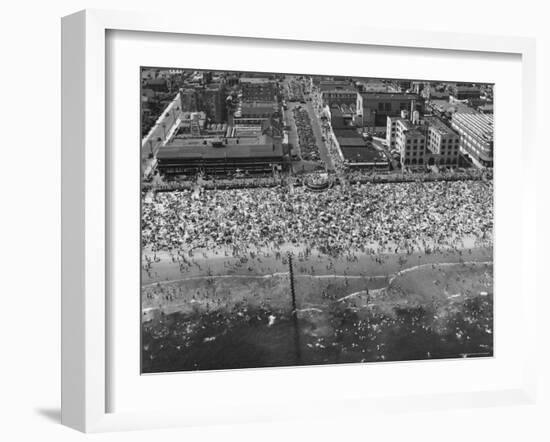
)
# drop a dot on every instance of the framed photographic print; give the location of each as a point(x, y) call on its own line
point(277, 224)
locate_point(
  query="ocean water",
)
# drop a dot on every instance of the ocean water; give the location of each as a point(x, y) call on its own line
point(336, 333)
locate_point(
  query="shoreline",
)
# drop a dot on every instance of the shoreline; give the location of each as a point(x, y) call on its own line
point(167, 265)
point(368, 272)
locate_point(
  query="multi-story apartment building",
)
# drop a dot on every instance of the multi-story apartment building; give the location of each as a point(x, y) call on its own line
point(409, 139)
point(476, 136)
point(442, 142)
point(429, 142)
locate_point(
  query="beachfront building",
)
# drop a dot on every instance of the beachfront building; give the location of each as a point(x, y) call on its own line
point(410, 141)
point(357, 153)
point(442, 142)
point(423, 143)
point(216, 155)
point(476, 136)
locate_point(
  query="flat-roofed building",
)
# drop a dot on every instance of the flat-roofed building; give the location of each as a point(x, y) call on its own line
point(258, 89)
point(217, 155)
point(465, 91)
point(476, 136)
point(339, 97)
point(359, 154)
point(445, 108)
point(254, 112)
point(374, 85)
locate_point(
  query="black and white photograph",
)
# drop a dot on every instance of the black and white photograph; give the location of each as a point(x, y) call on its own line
point(296, 219)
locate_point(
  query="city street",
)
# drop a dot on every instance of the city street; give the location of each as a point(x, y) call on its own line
point(292, 133)
point(316, 126)
point(161, 130)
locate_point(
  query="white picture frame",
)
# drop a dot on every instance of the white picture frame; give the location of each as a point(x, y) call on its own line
point(85, 312)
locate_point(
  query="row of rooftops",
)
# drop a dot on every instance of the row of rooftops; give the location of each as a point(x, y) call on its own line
point(439, 126)
point(342, 109)
point(390, 95)
point(479, 123)
point(426, 122)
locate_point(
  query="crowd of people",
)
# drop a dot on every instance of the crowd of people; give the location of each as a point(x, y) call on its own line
point(365, 175)
point(295, 91)
point(306, 138)
point(373, 218)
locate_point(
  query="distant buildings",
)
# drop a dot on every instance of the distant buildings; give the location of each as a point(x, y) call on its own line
point(189, 100)
point(377, 107)
point(157, 84)
point(465, 91)
point(337, 92)
point(445, 109)
point(476, 136)
point(258, 89)
point(210, 99)
point(213, 102)
point(254, 112)
point(377, 86)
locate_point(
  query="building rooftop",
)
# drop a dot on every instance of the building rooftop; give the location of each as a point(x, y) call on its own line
point(363, 155)
point(412, 129)
point(346, 133)
point(481, 124)
point(194, 148)
point(258, 107)
point(389, 95)
point(376, 86)
point(439, 126)
point(351, 142)
point(256, 80)
point(335, 85)
point(486, 107)
point(444, 106)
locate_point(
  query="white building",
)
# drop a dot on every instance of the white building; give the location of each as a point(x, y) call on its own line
point(476, 136)
point(429, 142)
point(443, 143)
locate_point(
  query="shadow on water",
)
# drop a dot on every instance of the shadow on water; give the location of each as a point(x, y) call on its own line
point(337, 334)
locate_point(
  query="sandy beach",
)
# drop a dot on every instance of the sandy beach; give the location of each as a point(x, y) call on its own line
point(315, 272)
